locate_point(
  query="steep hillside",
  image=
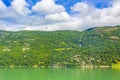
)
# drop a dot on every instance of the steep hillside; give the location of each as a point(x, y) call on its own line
point(96, 46)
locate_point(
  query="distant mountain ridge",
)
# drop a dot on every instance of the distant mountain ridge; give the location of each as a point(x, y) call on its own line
point(95, 46)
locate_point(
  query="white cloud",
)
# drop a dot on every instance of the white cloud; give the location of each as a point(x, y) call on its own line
point(63, 16)
point(6, 12)
point(47, 7)
point(81, 17)
point(93, 17)
point(2, 5)
point(21, 7)
point(83, 9)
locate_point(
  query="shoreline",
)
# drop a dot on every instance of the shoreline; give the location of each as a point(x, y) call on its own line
point(37, 67)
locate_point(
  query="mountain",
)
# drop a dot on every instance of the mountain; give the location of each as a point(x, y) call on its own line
point(96, 46)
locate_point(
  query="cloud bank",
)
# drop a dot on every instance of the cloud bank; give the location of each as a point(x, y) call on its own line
point(48, 16)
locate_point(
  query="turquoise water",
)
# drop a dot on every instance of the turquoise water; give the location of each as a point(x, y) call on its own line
point(60, 74)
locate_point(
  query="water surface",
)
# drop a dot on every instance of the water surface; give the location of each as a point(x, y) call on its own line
point(60, 74)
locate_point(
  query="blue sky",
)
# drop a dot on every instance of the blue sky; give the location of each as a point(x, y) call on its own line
point(68, 3)
point(58, 14)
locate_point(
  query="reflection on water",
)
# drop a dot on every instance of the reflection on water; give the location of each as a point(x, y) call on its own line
point(60, 74)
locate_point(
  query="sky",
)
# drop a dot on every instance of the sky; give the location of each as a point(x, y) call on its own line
point(51, 15)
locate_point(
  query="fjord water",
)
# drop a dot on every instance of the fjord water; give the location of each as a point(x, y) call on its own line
point(60, 74)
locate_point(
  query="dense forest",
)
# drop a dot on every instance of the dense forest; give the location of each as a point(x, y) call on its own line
point(95, 46)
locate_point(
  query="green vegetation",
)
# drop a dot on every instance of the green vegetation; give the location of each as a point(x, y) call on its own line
point(96, 46)
point(117, 65)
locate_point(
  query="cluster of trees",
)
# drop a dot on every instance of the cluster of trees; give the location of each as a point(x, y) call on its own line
point(97, 46)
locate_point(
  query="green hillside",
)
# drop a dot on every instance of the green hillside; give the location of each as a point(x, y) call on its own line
point(95, 46)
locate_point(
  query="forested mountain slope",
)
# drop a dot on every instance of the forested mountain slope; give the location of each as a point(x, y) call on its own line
point(96, 46)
